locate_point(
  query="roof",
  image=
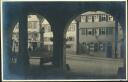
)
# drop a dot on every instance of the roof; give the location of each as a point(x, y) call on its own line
point(93, 12)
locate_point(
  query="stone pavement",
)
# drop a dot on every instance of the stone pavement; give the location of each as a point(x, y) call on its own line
point(81, 67)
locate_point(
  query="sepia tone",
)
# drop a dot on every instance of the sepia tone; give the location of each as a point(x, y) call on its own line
point(64, 40)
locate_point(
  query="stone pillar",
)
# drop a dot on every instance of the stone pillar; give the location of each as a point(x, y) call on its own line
point(6, 45)
point(23, 58)
point(77, 40)
point(123, 54)
point(116, 38)
point(78, 19)
point(122, 70)
point(58, 48)
point(6, 53)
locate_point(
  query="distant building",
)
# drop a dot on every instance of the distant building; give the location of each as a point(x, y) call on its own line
point(33, 33)
point(96, 34)
point(97, 31)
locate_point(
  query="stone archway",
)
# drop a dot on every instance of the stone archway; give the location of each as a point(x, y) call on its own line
point(58, 20)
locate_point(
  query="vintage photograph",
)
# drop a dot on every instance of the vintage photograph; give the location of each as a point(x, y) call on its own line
point(54, 40)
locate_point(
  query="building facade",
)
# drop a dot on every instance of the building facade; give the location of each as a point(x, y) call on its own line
point(97, 34)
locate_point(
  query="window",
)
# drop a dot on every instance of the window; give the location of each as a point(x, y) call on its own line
point(92, 46)
point(96, 47)
point(103, 18)
point(86, 19)
point(84, 43)
point(35, 35)
point(102, 31)
point(82, 31)
point(89, 18)
point(34, 24)
point(96, 18)
point(110, 18)
point(107, 30)
point(92, 18)
point(71, 27)
point(29, 24)
point(90, 32)
point(101, 46)
point(47, 28)
point(106, 17)
point(99, 18)
point(110, 30)
point(83, 18)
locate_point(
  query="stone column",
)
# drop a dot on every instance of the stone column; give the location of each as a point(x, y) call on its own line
point(77, 40)
point(78, 19)
point(6, 45)
point(58, 48)
point(6, 56)
point(123, 54)
point(116, 38)
point(122, 69)
point(23, 58)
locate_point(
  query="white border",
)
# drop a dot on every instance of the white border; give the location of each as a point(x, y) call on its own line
point(61, 0)
point(1, 39)
point(54, 79)
point(126, 43)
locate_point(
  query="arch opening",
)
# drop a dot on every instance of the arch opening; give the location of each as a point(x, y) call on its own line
point(39, 43)
point(96, 37)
